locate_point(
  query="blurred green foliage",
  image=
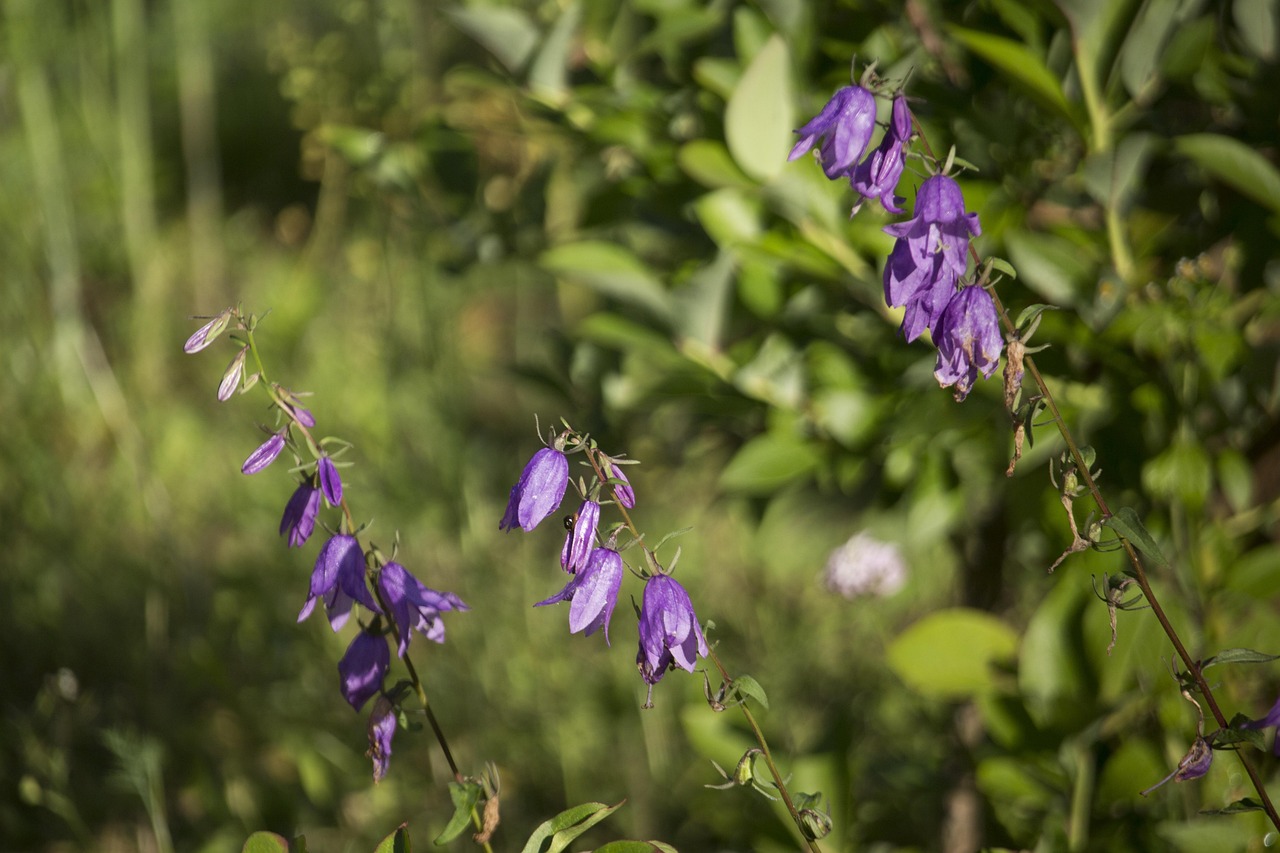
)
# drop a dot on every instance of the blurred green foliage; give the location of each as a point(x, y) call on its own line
point(460, 215)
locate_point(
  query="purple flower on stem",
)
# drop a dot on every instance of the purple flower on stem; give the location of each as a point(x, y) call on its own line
point(339, 579)
point(1193, 765)
point(670, 635)
point(593, 593)
point(877, 176)
point(968, 339)
point(382, 727)
point(930, 255)
point(413, 605)
point(539, 490)
point(581, 536)
point(363, 667)
point(623, 492)
point(264, 455)
point(330, 482)
point(846, 122)
point(1271, 720)
point(231, 379)
point(300, 514)
point(209, 332)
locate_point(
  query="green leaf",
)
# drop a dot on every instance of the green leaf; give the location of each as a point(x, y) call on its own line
point(758, 119)
point(396, 842)
point(635, 847)
point(613, 271)
point(1054, 267)
point(1018, 63)
point(767, 462)
point(707, 161)
point(506, 32)
point(1127, 524)
point(265, 842)
point(567, 826)
point(1235, 164)
point(950, 654)
point(1248, 804)
point(748, 688)
point(464, 796)
point(548, 76)
point(1238, 656)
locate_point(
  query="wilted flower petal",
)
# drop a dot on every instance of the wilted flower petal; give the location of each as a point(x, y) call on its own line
point(539, 490)
point(330, 482)
point(581, 536)
point(264, 455)
point(300, 514)
point(968, 339)
point(382, 727)
point(846, 122)
point(363, 667)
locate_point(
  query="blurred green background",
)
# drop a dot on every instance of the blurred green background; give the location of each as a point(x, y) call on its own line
point(460, 215)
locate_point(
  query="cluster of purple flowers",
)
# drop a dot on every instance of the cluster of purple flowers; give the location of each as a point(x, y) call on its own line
point(399, 602)
point(923, 272)
point(670, 635)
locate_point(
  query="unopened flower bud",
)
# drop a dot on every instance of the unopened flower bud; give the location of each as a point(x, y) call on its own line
point(231, 379)
point(209, 332)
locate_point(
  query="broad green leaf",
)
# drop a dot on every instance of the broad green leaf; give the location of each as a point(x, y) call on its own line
point(703, 302)
point(505, 31)
point(707, 161)
point(396, 842)
point(758, 119)
point(1018, 63)
point(265, 842)
point(611, 270)
point(635, 847)
point(465, 797)
point(548, 76)
point(951, 654)
point(1127, 523)
point(767, 462)
point(1146, 40)
point(1238, 656)
point(1054, 267)
point(1257, 22)
point(1235, 164)
point(565, 827)
point(1181, 472)
point(1248, 804)
point(749, 688)
point(729, 216)
point(1055, 678)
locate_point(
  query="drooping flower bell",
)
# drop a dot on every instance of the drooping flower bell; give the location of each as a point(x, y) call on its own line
point(414, 607)
point(930, 255)
point(968, 339)
point(622, 491)
point(593, 592)
point(300, 514)
point(670, 635)
point(580, 537)
point(877, 176)
point(330, 482)
point(339, 579)
point(363, 667)
point(265, 454)
point(845, 126)
point(539, 490)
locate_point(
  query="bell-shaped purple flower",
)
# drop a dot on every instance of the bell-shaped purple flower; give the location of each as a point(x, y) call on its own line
point(414, 607)
point(209, 332)
point(877, 176)
point(363, 667)
point(846, 123)
point(264, 455)
point(592, 593)
point(382, 727)
point(581, 536)
point(539, 490)
point(300, 514)
point(670, 635)
point(930, 255)
point(968, 339)
point(339, 579)
point(330, 482)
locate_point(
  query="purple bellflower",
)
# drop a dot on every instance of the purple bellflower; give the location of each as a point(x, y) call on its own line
point(846, 122)
point(363, 667)
point(209, 332)
point(593, 592)
point(930, 255)
point(877, 176)
point(539, 490)
point(265, 454)
point(581, 536)
point(1271, 720)
point(968, 339)
point(414, 607)
point(300, 514)
point(670, 635)
point(623, 492)
point(382, 727)
point(338, 578)
point(330, 482)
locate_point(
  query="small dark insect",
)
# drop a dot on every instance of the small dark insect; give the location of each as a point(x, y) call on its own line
point(570, 521)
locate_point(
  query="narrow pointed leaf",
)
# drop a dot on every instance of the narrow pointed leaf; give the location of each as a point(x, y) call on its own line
point(1127, 524)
